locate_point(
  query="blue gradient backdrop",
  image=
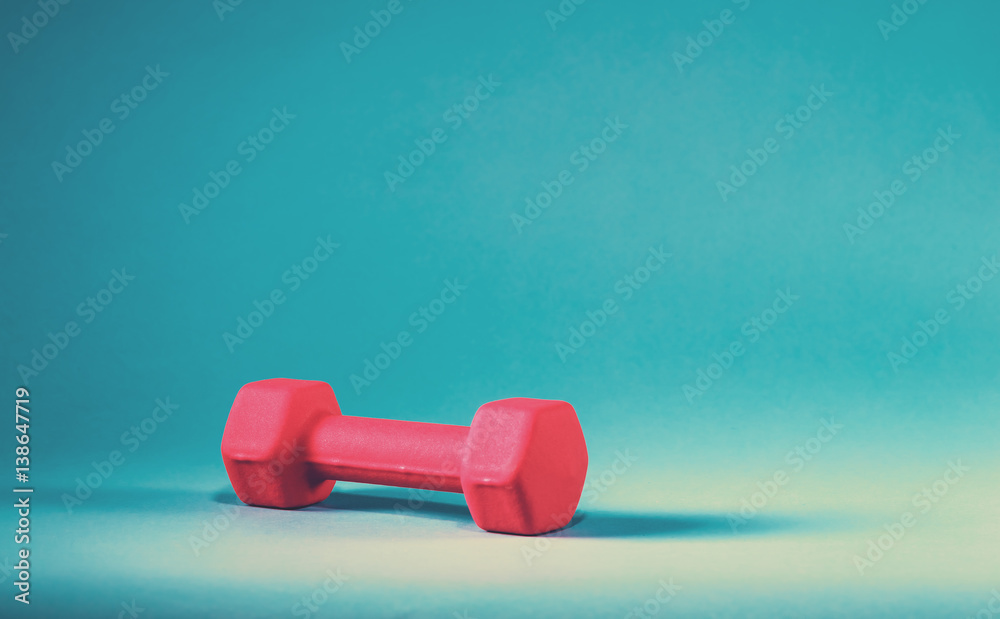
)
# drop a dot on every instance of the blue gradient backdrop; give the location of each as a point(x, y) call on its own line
point(673, 471)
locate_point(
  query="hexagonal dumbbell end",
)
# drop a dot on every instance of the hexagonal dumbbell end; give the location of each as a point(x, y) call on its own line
point(524, 466)
point(264, 443)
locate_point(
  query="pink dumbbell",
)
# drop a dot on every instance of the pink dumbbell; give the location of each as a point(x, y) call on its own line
point(521, 464)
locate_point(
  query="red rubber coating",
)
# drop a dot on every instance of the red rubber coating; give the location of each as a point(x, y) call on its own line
point(407, 454)
point(521, 464)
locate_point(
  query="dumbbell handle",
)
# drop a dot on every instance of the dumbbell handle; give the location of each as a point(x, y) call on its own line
point(408, 454)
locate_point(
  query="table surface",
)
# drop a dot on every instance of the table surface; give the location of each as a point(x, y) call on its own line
point(398, 553)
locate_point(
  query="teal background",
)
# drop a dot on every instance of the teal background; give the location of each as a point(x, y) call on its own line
point(666, 515)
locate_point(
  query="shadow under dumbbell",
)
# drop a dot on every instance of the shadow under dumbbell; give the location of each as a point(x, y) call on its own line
point(601, 524)
point(590, 524)
point(401, 501)
point(389, 500)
